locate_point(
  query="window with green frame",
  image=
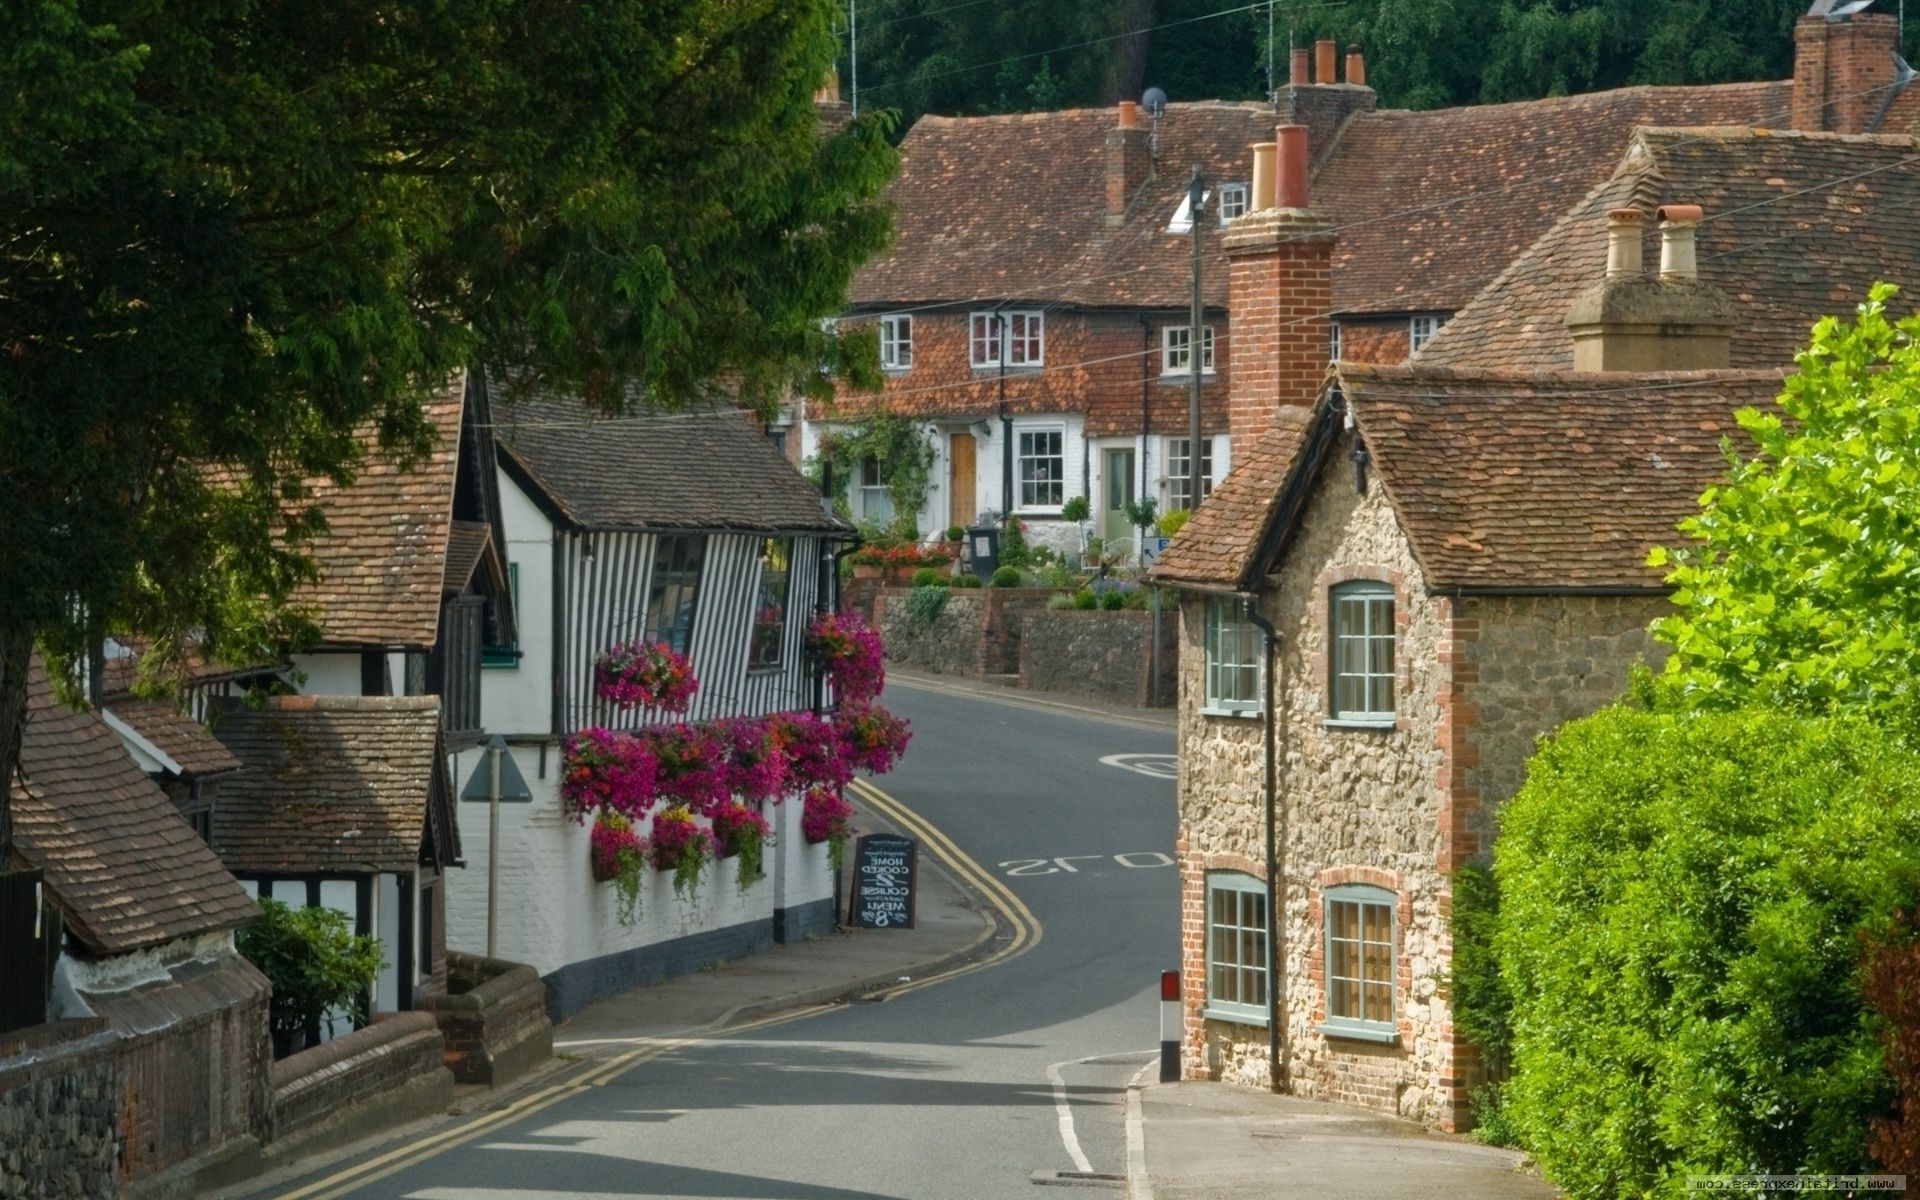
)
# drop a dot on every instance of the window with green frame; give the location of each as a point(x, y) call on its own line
point(1361, 962)
point(1237, 947)
point(504, 656)
point(1363, 653)
point(1233, 658)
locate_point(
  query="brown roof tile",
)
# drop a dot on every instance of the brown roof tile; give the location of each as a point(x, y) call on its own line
point(467, 543)
point(1546, 481)
point(175, 734)
point(332, 783)
point(1797, 226)
point(124, 867)
point(1216, 547)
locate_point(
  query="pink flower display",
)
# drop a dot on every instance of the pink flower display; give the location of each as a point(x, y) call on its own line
point(681, 846)
point(614, 846)
point(874, 739)
point(692, 766)
point(825, 816)
point(815, 753)
point(605, 770)
point(852, 652)
point(756, 758)
point(645, 675)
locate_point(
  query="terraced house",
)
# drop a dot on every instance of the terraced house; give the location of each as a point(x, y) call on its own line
point(1415, 570)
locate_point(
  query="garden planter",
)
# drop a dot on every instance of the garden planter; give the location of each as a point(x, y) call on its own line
point(865, 571)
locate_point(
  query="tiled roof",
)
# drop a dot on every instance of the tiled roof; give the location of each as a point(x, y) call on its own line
point(331, 783)
point(175, 734)
point(383, 559)
point(1014, 207)
point(123, 865)
point(709, 470)
point(467, 543)
point(1216, 547)
point(1797, 226)
point(1546, 481)
point(1429, 206)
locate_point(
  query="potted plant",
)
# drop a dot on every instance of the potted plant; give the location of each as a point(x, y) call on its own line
point(825, 816)
point(1077, 510)
point(741, 833)
point(617, 854)
point(316, 964)
point(681, 846)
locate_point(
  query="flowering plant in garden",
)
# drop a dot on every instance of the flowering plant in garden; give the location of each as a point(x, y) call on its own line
point(825, 816)
point(645, 675)
point(692, 765)
point(900, 556)
point(681, 846)
point(618, 854)
point(741, 833)
point(606, 771)
point(874, 739)
point(814, 753)
point(851, 652)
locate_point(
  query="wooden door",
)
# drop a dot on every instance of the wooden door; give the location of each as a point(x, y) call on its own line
point(962, 491)
point(1117, 470)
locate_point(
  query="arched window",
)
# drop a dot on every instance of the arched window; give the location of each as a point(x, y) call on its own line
point(1363, 653)
point(1362, 957)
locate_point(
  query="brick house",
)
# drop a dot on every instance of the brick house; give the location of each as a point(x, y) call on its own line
point(1449, 555)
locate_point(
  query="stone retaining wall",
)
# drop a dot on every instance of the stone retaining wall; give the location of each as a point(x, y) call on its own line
point(371, 1079)
point(59, 1103)
point(494, 1019)
point(1101, 655)
point(977, 633)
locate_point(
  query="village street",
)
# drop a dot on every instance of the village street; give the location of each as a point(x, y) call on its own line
point(962, 1089)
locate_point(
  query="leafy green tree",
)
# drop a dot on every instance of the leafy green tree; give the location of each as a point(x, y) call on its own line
point(1802, 590)
point(230, 235)
point(314, 961)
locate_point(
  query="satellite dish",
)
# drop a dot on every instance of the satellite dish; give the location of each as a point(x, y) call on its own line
point(1154, 101)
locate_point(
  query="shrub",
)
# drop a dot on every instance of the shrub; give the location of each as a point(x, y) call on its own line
point(925, 604)
point(956, 534)
point(1013, 544)
point(1113, 600)
point(315, 962)
point(1171, 523)
point(1006, 577)
point(1056, 574)
point(969, 580)
point(1681, 899)
point(926, 577)
point(1076, 509)
point(1061, 602)
point(1085, 600)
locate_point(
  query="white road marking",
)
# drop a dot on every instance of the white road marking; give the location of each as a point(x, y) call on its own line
point(1064, 864)
point(1065, 1112)
point(1156, 766)
point(1139, 1184)
point(1165, 860)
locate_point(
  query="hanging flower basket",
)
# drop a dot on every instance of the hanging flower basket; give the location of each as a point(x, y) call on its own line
point(617, 855)
point(681, 846)
point(645, 675)
point(852, 653)
point(874, 739)
point(741, 833)
point(825, 816)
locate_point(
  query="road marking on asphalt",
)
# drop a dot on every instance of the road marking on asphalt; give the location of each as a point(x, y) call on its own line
point(1158, 766)
point(1139, 1183)
point(1009, 699)
point(1019, 867)
point(1064, 1111)
point(1026, 935)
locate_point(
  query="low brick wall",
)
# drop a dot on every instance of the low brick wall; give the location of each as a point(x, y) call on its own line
point(977, 633)
point(59, 1107)
point(493, 1019)
point(371, 1079)
point(1100, 655)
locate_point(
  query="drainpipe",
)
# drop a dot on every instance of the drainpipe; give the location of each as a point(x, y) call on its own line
point(1146, 394)
point(1276, 858)
point(1006, 433)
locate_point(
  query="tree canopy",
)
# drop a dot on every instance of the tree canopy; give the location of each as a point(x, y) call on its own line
point(232, 235)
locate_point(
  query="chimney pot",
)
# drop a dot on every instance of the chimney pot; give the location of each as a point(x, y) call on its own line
point(1324, 54)
point(1297, 68)
point(1623, 243)
point(1356, 67)
point(1263, 190)
point(1129, 114)
point(1677, 225)
point(1290, 166)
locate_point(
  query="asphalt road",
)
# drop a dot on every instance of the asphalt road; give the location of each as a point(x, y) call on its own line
point(955, 1091)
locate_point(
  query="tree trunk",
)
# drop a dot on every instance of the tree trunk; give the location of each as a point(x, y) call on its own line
point(16, 654)
point(1127, 69)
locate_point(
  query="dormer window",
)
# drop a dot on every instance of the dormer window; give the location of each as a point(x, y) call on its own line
point(1233, 201)
point(1183, 216)
point(1420, 331)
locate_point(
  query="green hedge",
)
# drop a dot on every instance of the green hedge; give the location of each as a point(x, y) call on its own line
point(1682, 899)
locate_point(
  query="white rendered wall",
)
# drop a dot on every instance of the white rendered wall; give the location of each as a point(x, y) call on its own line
point(519, 700)
point(336, 674)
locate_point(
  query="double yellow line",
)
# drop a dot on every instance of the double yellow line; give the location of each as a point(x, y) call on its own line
point(1026, 935)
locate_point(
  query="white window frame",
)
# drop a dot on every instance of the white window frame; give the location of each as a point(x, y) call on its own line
point(1333, 341)
point(876, 498)
point(1176, 350)
point(1228, 943)
point(1420, 331)
point(1021, 334)
point(1233, 662)
point(1056, 482)
point(1175, 450)
point(1383, 975)
point(1234, 196)
point(1351, 653)
point(896, 342)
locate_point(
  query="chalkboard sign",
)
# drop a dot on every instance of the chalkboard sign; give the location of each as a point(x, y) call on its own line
point(884, 865)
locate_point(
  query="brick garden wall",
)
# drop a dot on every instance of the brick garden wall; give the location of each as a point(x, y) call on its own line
point(392, 1068)
point(493, 1020)
point(977, 633)
point(59, 1101)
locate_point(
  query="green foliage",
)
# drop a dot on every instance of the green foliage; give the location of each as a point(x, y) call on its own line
point(1171, 523)
point(1006, 577)
point(926, 577)
point(1803, 588)
point(1482, 1007)
point(1060, 603)
point(925, 604)
point(1142, 513)
point(1113, 600)
point(956, 534)
point(1680, 902)
point(1055, 573)
point(314, 961)
point(969, 580)
point(1014, 551)
point(1075, 509)
point(904, 453)
point(1085, 600)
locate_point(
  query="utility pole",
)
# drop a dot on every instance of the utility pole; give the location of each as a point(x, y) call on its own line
point(1196, 347)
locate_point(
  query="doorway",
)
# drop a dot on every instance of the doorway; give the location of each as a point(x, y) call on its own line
point(1116, 476)
point(962, 498)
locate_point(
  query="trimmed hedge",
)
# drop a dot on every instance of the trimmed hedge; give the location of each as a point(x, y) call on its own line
point(1683, 899)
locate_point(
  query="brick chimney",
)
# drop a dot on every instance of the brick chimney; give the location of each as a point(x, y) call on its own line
point(1129, 161)
point(1630, 322)
point(1323, 102)
point(1279, 291)
point(1843, 73)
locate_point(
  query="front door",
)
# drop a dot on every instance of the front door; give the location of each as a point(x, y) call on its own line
point(1117, 475)
point(963, 499)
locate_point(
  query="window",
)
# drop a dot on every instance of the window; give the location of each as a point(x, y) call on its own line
point(674, 588)
point(1179, 487)
point(1237, 957)
point(1360, 961)
point(876, 500)
point(1183, 216)
point(896, 342)
point(1042, 467)
point(1420, 331)
point(1176, 349)
point(1021, 334)
point(1233, 201)
point(769, 638)
point(1363, 653)
point(1233, 664)
point(1333, 341)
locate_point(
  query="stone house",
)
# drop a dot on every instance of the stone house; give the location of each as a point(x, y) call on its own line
point(1430, 565)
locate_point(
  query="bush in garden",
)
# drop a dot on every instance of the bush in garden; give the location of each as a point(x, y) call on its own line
point(968, 580)
point(1085, 600)
point(316, 964)
point(1013, 545)
point(926, 577)
point(1006, 577)
point(1681, 910)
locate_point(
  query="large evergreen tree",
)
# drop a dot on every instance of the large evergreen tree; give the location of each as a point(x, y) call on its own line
point(231, 233)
